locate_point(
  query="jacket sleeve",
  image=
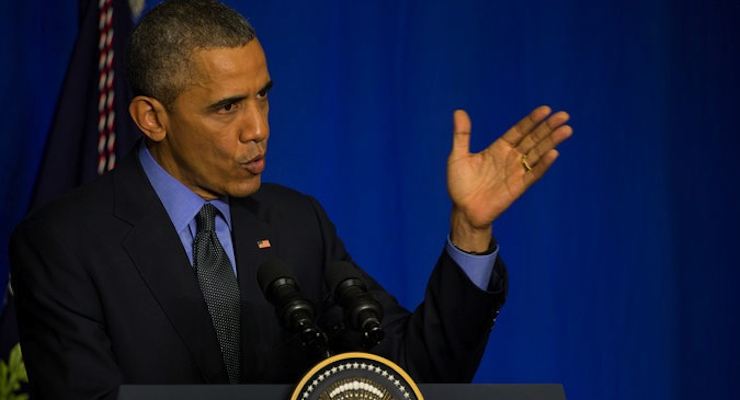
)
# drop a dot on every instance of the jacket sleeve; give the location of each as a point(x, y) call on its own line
point(444, 338)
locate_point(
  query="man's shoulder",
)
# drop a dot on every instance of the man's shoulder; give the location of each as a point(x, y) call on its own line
point(74, 218)
point(89, 202)
point(85, 198)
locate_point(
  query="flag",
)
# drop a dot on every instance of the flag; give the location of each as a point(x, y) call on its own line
point(91, 128)
point(90, 131)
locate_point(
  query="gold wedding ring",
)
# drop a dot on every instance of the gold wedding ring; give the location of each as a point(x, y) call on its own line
point(525, 163)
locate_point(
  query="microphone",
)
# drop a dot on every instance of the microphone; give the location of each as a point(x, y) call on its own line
point(361, 311)
point(296, 313)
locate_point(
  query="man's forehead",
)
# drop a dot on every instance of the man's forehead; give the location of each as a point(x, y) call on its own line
point(222, 62)
point(251, 50)
point(218, 73)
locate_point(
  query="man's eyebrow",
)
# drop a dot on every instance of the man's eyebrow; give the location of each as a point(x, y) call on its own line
point(267, 87)
point(235, 99)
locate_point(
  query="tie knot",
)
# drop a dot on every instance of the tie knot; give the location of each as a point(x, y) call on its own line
point(206, 218)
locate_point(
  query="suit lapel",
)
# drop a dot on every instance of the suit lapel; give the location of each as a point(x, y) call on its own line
point(248, 231)
point(157, 253)
point(254, 243)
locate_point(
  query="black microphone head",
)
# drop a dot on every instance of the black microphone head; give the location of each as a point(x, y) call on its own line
point(362, 311)
point(295, 313)
point(271, 270)
point(340, 271)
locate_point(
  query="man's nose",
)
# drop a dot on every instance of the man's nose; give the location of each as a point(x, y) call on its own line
point(254, 125)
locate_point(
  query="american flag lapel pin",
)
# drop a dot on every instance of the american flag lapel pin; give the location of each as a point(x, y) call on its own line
point(263, 244)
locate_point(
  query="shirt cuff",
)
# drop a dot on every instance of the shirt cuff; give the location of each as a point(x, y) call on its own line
point(478, 267)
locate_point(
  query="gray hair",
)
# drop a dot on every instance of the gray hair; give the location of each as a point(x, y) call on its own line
point(158, 57)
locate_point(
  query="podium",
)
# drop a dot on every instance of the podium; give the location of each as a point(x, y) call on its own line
point(348, 376)
point(283, 392)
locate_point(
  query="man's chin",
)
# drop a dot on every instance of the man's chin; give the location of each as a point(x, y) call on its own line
point(247, 189)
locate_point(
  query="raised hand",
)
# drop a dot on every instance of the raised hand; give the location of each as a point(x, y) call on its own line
point(483, 185)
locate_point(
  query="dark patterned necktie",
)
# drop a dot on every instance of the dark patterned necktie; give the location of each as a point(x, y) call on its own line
point(220, 289)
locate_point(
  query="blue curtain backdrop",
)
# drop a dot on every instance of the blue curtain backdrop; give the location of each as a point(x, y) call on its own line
point(624, 280)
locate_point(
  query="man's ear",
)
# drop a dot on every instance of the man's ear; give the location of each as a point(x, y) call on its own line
point(150, 115)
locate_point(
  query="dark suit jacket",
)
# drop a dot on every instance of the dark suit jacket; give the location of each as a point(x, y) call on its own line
point(106, 295)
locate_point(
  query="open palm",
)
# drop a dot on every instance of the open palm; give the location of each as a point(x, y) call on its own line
point(483, 185)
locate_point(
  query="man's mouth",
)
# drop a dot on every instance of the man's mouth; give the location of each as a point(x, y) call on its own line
point(256, 165)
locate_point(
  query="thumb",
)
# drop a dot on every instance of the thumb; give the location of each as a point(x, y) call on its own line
point(460, 134)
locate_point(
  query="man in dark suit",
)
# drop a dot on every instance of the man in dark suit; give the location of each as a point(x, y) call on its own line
point(109, 280)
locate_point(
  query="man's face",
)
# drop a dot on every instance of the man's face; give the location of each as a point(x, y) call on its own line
point(217, 129)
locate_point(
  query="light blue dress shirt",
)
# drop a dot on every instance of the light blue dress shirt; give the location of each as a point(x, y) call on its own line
point(182, 205)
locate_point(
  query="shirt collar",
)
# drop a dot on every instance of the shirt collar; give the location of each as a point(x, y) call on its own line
point(181, 203)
